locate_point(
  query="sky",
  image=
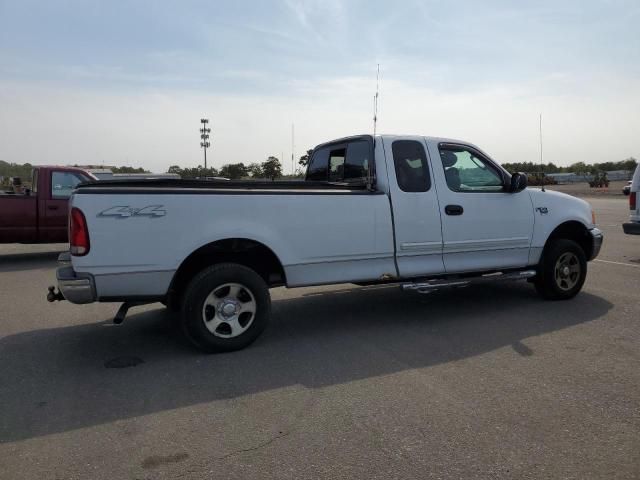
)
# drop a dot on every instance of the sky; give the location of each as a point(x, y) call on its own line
point(120, 82)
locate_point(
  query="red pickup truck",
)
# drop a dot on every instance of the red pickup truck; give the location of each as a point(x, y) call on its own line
point(40, 215)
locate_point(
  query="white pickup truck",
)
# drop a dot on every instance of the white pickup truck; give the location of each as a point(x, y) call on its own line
point(632, 227)
point(423, 212)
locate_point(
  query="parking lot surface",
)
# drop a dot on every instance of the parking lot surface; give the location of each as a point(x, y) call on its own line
point(347, 382)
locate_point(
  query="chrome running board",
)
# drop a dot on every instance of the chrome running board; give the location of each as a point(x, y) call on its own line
point(433, 285)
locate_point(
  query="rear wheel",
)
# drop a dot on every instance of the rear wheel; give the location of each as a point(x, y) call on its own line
point(225, 308)
point(562, 270)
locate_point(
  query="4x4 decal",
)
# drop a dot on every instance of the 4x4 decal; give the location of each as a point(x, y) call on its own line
point(125, 211)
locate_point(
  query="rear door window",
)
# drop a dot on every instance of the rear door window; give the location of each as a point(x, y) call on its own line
point(356, 166)
point(336, 164)
point(412, 170)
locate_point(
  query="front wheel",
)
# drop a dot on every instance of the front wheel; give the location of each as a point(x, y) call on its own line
point(225, 308)
point(562, 270)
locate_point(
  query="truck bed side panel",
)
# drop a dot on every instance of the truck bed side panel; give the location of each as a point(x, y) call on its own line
point(319, 238)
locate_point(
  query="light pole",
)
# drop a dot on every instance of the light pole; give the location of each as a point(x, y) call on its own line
point(204, 135)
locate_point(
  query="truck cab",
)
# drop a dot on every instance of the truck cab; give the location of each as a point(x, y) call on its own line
point(40, 214)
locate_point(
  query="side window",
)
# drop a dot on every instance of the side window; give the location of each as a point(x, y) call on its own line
point(341, 163)
point(467, 171)
point(317, 170)
point(63, 183)
point(336, 164)
point(356, 166)
point(412, 170)
point(34, 181)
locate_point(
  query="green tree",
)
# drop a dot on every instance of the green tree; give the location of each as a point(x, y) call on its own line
point(304, 159)
point(15, 170)
point(580, 168)
point(234, 171)
point(126, 169)
point(195, 172)
point(255, 170)
point(272, 168)
point(628, 164)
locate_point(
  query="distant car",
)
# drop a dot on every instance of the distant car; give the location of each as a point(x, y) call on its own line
point(633, 226)
point(626, 190)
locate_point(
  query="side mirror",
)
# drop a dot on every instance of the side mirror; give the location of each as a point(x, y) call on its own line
point(518, 182)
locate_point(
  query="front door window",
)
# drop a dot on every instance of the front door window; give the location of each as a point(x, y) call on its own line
point(467, 171)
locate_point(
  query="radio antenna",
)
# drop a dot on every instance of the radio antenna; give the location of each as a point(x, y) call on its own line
point(541, 164)
point(293, 148)
point(370, 178)
point(375, 103)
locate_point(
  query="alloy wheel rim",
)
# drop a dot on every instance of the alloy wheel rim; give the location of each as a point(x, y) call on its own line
point(229, 310)
point(567, 271)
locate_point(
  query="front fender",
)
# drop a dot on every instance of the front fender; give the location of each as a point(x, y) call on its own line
point(551, 210)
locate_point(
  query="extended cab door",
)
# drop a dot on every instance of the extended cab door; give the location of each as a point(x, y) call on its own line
point(54, 204)
point(415, 207)
point(483, 226)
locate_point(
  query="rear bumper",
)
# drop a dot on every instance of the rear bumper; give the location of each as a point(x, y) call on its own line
point(75, 287)
point(631, 228)
point(597, 238)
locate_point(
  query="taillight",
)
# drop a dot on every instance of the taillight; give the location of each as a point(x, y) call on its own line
point(632, 201)
point(78, 233)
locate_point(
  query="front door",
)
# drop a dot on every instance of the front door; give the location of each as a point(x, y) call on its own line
point(55, 212)
point(483, 226)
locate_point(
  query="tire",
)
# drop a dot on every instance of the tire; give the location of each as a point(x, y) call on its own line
point(562, 270)
point(225, 308)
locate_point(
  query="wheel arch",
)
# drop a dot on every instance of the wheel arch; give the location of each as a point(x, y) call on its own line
point(572, 230)
point(244, 251)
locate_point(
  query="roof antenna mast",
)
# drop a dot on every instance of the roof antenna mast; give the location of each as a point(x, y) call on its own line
point(370, 175)
point(541, 164)
point(375, 103)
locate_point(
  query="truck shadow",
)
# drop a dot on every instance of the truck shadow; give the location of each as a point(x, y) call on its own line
point(55, 380)
point(17, 262)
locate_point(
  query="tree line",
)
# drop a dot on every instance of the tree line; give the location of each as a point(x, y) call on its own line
point(579, 168)
point(8, 170)
point(270, 169)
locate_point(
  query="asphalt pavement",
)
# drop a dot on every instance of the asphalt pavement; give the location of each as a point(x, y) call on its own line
point(347, 382)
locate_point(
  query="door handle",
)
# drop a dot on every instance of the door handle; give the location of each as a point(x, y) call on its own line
point(453, 210)
point(52, 207)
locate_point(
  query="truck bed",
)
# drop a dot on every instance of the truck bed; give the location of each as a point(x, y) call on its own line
point(321, 232)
